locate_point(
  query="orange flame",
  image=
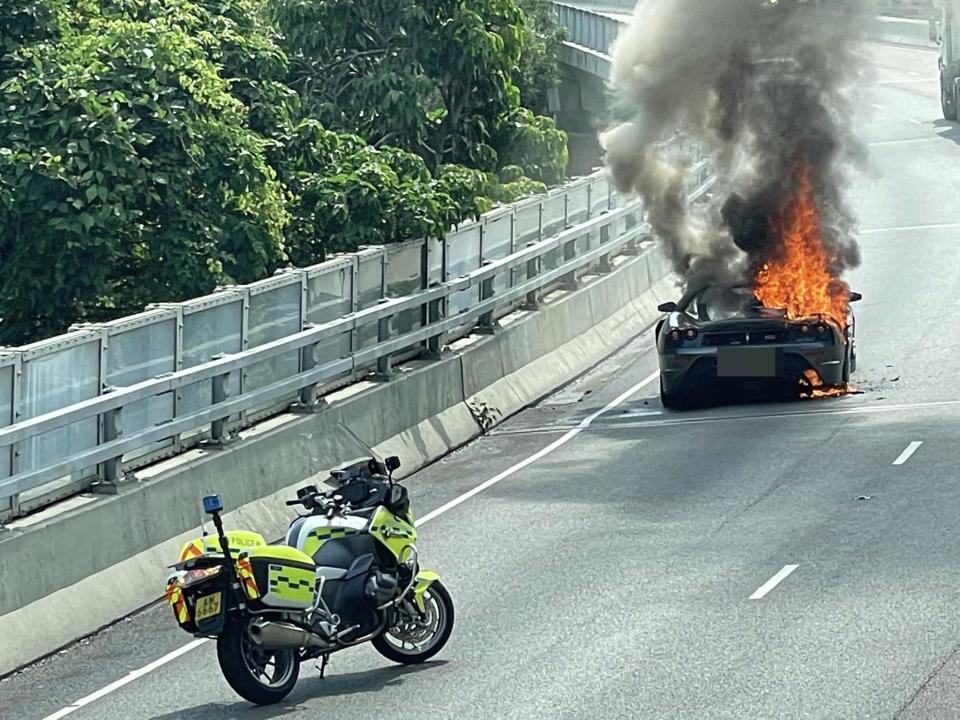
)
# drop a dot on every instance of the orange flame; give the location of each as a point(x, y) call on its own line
point(800, 280)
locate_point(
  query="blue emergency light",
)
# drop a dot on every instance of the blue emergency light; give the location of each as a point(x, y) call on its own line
point(212, 504)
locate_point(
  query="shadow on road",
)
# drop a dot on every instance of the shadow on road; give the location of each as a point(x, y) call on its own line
point(947, 129)
point(312, 688)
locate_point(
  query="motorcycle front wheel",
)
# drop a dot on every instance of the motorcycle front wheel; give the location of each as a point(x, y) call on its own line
point(263, 677)
point(415, 640)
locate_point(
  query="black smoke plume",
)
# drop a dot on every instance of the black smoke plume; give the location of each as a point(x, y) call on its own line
point(764, 88)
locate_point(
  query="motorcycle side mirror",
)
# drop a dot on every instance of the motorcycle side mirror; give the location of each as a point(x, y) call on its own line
point(307, 490)
point(392, 463)
point(667, 307)
point(854, 296)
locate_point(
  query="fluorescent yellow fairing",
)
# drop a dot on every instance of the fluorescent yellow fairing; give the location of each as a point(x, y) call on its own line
point(393, 532)
point(425, 578)
point(318, 536)
point(279, 552)
point(239, 540)
point(283, 576)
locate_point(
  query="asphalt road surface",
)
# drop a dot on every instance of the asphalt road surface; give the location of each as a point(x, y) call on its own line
point(747, 561)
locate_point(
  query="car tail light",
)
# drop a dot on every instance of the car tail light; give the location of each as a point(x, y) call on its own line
point(690, 334)
point(821, 329)
point(675, 336)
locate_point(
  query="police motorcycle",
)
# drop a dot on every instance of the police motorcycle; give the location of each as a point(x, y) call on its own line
point(347, 573)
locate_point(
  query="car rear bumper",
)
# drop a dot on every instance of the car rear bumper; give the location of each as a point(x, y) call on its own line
point(688, 369)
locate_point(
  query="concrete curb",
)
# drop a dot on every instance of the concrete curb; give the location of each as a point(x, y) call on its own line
point(82, 569)
point(902, 31)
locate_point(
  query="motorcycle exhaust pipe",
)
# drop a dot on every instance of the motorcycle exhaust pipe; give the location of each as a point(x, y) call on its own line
point(284, 636)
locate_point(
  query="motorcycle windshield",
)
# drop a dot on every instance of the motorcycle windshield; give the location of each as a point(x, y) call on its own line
point(338, 447)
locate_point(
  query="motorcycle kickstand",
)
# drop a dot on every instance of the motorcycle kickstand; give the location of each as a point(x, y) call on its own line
point(322, 665)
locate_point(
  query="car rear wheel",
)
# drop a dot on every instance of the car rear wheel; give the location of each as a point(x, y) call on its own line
point(948, 100)
point(671, 401)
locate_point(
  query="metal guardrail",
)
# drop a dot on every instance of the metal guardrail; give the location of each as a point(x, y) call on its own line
point(104, 399)
point(82, 409)
point(595, 25)
point(588, 28)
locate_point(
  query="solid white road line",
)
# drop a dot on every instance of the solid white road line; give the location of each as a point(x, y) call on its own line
point(908, 453)
point(134, 675)
point(773, 582)
point(569, 435)
point(904, 228)
point(560, 441)
point(906, 141)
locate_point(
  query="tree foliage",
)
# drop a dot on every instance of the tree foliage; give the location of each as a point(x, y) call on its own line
point(436, 77)
point(129, 173)
point(539, 68)
point(153, 149)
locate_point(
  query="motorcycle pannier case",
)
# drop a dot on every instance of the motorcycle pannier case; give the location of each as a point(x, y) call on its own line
point(285, 577)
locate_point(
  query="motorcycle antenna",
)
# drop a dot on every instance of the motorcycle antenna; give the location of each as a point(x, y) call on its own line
point(203, 525)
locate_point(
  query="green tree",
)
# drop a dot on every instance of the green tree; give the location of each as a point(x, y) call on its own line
point(128, 174)
point(152, 149)
point(539, 68)
point(435, 77)
point(348, 193)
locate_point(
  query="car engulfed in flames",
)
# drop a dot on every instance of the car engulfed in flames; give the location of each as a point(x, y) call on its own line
point(791, 327)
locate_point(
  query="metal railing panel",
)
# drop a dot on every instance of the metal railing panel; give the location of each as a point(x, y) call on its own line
point(463, 249)
point(55, 374)
point(330, 296)
point(274, 311)
point(9, 366)
point(600, 195)
point(554, 219)
point(578, 203)
point(136, 349)
point(497, 243)
point(405, 264)
point(212, 326)
point(370, 291)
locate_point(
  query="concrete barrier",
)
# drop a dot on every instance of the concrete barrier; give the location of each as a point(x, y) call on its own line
point(902, 31)
point(71, 570)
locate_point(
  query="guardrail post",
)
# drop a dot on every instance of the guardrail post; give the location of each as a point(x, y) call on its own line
point(219, 392)
point(384, 369)
point(570, 281)
point(533, 269)
point(310, 400)
point(111, 471)
point(604, 265)
point(487, 324)
point(633, 245)
point(434, 346)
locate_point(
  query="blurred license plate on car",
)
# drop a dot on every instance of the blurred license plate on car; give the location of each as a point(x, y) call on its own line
point(746, 362)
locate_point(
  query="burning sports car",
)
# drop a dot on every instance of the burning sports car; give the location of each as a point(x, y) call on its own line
point(717, 336)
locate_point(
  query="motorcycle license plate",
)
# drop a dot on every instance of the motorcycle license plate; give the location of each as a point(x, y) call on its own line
point(208, 606)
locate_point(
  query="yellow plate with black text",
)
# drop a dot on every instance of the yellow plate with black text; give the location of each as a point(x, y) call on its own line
point(208, 606)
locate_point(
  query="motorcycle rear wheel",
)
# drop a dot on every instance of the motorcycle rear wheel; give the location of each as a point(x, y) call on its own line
point(263, 677)
point(412, 642)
